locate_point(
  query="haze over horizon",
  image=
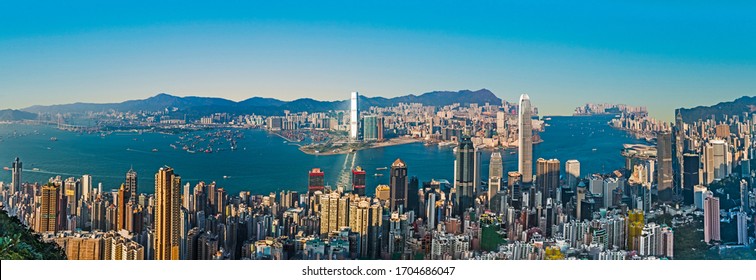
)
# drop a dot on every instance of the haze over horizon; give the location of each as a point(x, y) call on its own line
point(659, 55)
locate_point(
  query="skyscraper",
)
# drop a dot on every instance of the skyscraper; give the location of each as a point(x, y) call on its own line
point(131, 185)
point(525, 140)
point(48, 209)
point(316, 181)
point(167, 220)
point(496, 165)
point(86, 187)
point(664, 162)
point(370, 127)
point(691, 165)
point(547, 177)
point(716, 164)
point(353, 116)
point(572, 170)
point(16, 176)
point(711, 218)
point(358, 181)
point(742, 219)
point(464, 177)
point(399, 185)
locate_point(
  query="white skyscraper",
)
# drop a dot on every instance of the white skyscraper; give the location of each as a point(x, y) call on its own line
point(353, 116)
point(572, 168)
point(525, 140)
point(86, 187)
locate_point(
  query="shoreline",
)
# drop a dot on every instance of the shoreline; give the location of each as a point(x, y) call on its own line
point(347, 150)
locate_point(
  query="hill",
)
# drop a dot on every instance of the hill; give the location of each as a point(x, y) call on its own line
point(198, 106)
point(16, 115)
point(19, 243)
point(739, 106)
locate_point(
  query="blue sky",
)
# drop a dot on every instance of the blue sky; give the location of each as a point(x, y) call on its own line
point(562, 53)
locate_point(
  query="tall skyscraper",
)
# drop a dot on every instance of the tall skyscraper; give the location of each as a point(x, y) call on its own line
point(501, 123)
point(353, 116)
point(167, 214)
point(525, 140)
point(86, 187)
point(664, 161)
point(48, 209)
point(711, 218)
point(547, 178)
point(399, 185)
point(316, 181)
point(358, 181)
point(691, 166)
point(742, 219)
point(464, 177)
point(16, 176)
point(572, 170)
point(370, 127)
point(496, 165)
point(131, 185)
point(716, 164)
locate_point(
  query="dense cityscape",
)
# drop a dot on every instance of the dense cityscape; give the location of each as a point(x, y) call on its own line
point(692, 178)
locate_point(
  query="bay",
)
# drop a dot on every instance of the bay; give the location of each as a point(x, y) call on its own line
point(265, 163)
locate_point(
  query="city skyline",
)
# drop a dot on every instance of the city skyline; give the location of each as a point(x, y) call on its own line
point(289, 51)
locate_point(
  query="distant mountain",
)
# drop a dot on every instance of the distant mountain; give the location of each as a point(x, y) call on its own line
point(197, 106)
point(739, 106)
point(16, 115)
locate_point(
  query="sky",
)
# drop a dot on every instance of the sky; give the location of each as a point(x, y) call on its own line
point(659, 54)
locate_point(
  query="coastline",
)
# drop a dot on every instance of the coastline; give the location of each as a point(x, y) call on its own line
point(364, 146)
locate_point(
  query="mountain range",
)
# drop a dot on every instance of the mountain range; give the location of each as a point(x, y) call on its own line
point(198, 106)
point(16, 115)
point(745, 104)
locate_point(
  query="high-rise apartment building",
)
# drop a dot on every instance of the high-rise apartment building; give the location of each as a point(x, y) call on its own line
point(711, 218)
point(572, 170)
point(48, 209)
point(167, 221)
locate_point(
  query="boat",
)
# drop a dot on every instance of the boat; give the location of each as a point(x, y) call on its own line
point(53, 139)
point(381, 168)
point(35, 169)
point(190, 151)
point(173, 146)
point(594, 149)
point(225, 177)
point(209, 150)
point(378, 175)
point(154, 150)
point(6, 168)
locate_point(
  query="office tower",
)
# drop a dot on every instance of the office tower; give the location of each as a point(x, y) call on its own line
point(744, 203)
point(525, 141)
point(167, 221)
point(16, 176)
point(572, 170)
point(131, 185)
point(48, 209)
point(664, 162)
point(370, 128)
point(691, 165)
point(722, 131)
point(501, 123)
point(358, 181)
point(742, 219)
point(316, 181)
point(380, 128)
point(399, 185)
point(496, 165)
point(86, 187)
point(711, 218)
point(678, 146)
point(547, 178)
point(413, 195)
point(494, 186)
point(464, 168)
point(353, 116)
point(514, 180)
point(716, 164)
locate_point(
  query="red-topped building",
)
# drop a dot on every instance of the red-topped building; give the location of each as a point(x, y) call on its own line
point(358, 181)
point(316, 181)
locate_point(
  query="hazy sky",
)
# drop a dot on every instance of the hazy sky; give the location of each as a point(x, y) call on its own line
point(562, 53)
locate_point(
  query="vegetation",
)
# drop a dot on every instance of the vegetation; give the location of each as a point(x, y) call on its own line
point(19, 243)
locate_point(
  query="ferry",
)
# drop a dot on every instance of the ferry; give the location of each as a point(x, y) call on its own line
point(173, 146)
point(53, 139)
point(6, 168)
point(154, 150)
point(190, 151)
point(35, 169)
point(382, 168)
point(378, 175)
